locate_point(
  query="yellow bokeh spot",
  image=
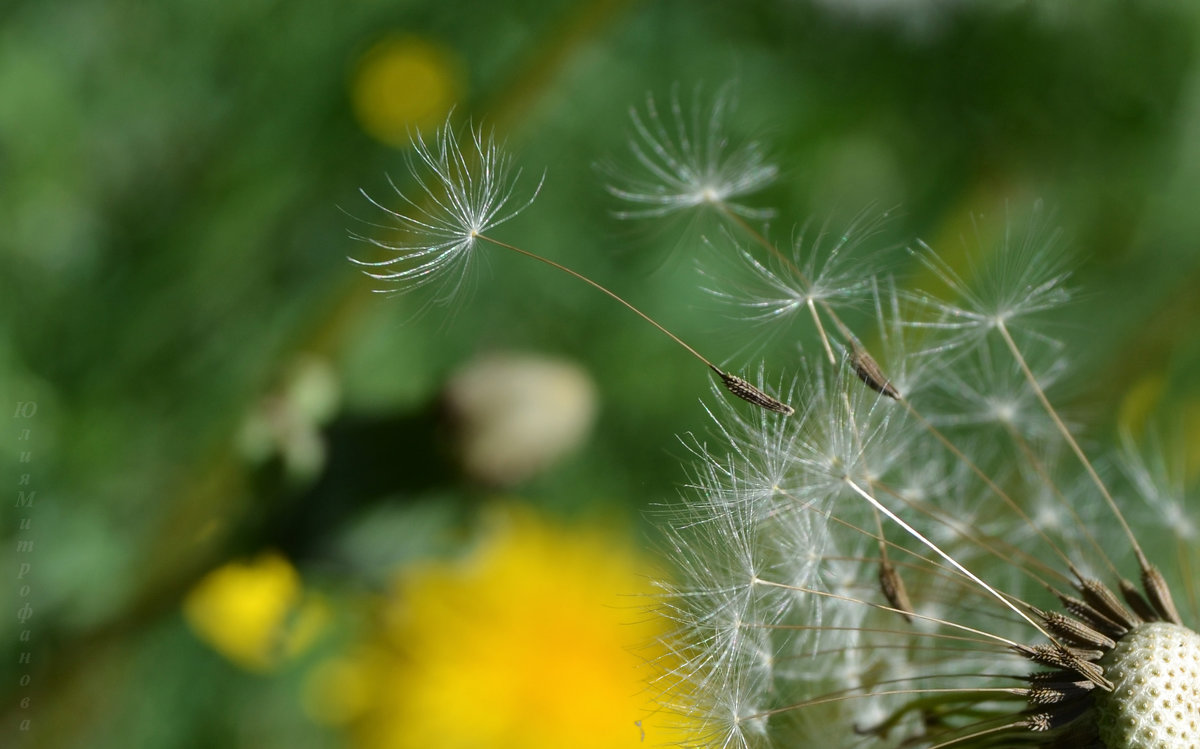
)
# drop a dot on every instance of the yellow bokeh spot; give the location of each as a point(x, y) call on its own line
point(255, 613)
point(1147, 401)
point(538, 641)
point(337, 690)
point(404, 84)
point(1191, 439)
point(1140, 402)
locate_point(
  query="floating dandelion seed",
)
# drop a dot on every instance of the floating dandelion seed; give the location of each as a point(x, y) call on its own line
point(688, 159)
point(459, 196)
point(1025, 275)
point(823, 268)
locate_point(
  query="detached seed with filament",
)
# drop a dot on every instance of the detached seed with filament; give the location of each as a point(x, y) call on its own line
point(736, 385)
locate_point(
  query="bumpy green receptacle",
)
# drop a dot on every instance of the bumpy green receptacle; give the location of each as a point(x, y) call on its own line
point(1155, 703)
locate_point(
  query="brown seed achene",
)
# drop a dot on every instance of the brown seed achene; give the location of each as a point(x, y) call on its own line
point(869, 371)
point(747, 392)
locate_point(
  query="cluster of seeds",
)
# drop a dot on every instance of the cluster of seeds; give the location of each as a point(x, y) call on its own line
point(871, 556)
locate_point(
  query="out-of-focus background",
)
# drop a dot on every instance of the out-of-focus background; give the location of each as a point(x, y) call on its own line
point(250, 503)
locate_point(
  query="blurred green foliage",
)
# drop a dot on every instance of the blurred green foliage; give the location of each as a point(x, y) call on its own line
point(177, 181)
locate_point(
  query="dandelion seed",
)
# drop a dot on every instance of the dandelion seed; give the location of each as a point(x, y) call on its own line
point(688, 160)
point(751, 394)
point(824, 272)
point(692, 166)
point(457, 196)
point(1024, 275)
point(892, 586)
point(463, 195)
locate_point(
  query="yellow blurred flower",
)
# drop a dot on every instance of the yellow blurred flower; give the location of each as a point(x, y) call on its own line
point(536, 641)
point(402, 84)
point(255, 612)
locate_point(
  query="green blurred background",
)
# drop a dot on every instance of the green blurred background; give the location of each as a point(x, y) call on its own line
point(214, 381)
